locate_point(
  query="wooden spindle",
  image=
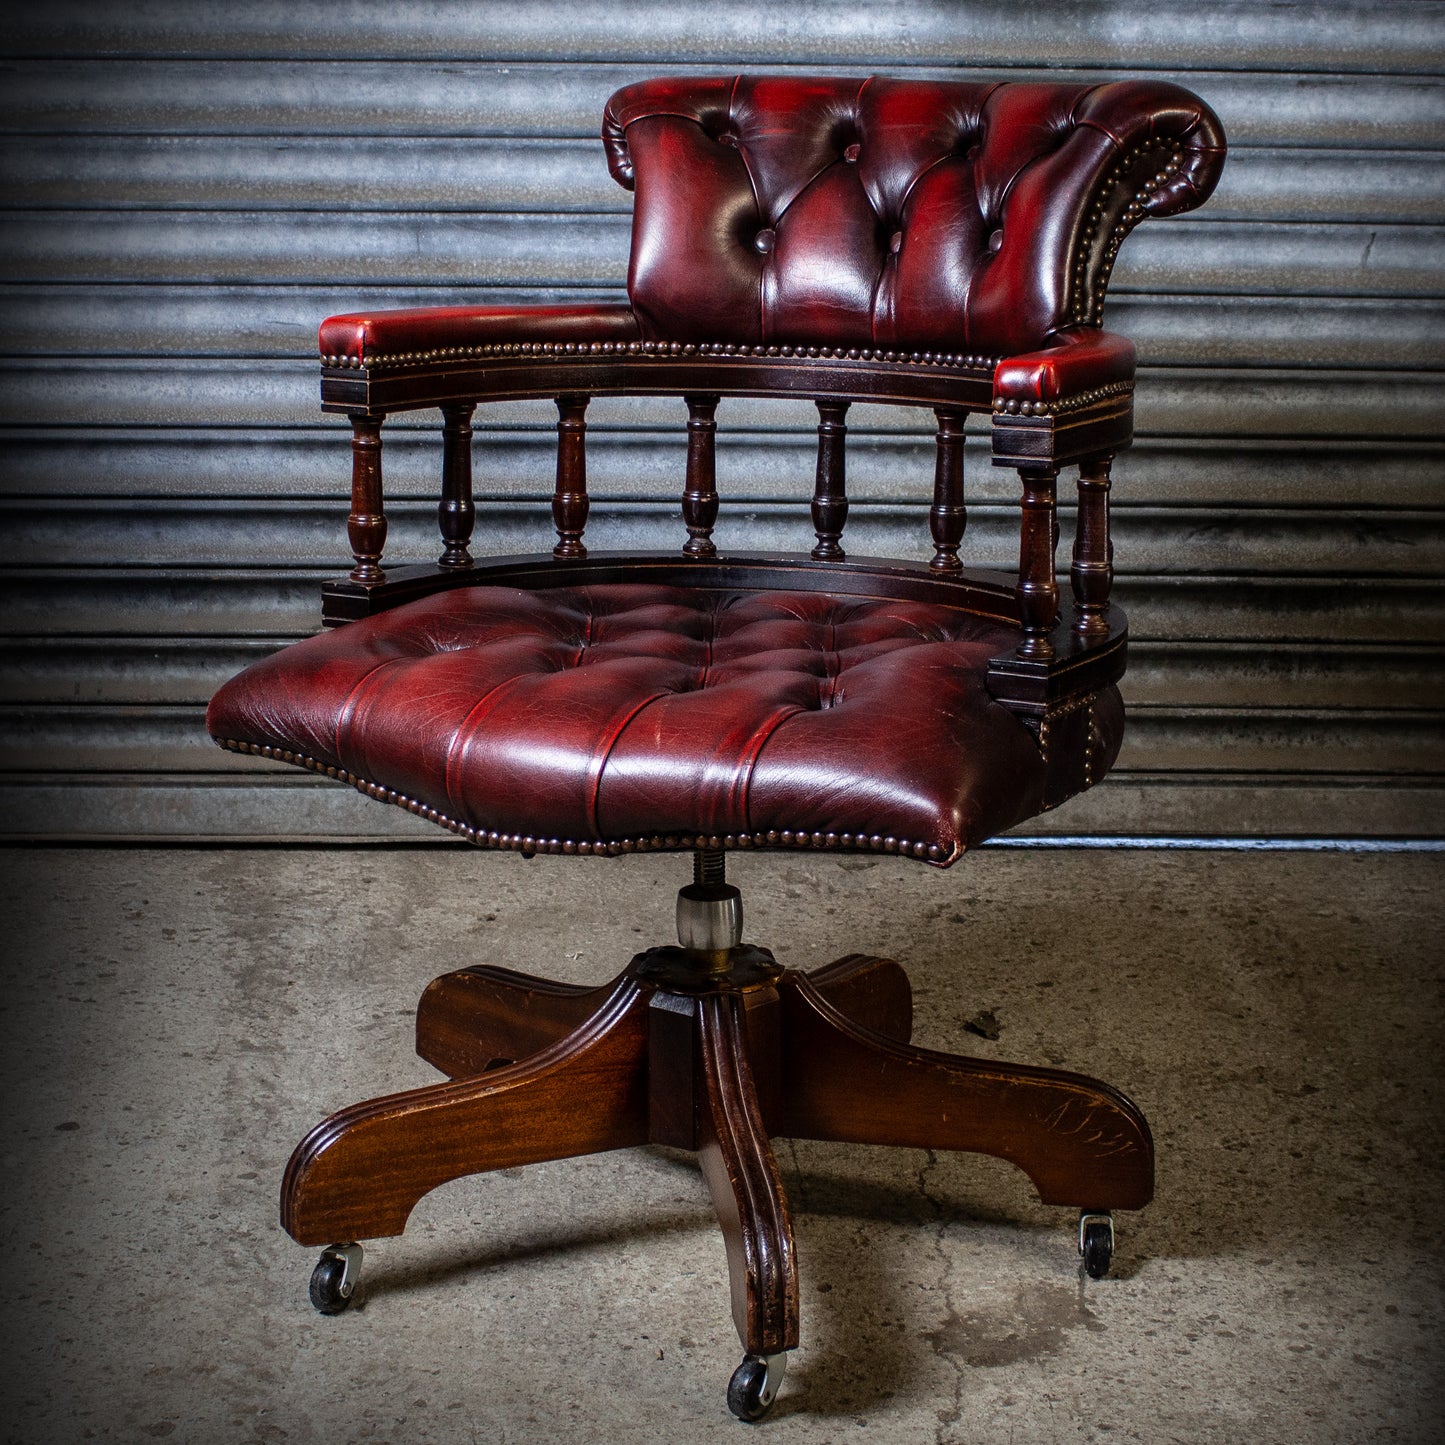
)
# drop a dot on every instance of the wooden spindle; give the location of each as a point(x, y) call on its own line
point(1038, 593)
point(1092, 572)
point(948, 516)
point(569, 499)
point(699, 498)
point(830, 485)
point(457, 512)
point(366, 526)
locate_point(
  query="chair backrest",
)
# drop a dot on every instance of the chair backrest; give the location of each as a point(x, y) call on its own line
point(909, 214)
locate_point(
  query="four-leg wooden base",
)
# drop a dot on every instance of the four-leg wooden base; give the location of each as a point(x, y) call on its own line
point(717, 1062)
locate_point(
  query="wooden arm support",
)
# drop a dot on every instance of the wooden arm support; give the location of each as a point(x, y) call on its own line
point(570, 503)
point(1052, 660)
point(948, 516)
point(456, 512)
point(830, 489)
point(1092, 572)
point(366, 526)
point(700, 498)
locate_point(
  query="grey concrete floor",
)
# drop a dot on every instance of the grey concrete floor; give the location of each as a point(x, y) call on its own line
point(174, 1020)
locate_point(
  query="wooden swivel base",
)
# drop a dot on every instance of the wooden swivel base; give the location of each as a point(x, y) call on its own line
point(717, 1057)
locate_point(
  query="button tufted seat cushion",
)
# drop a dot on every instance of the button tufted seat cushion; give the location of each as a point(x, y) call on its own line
point(605, 717)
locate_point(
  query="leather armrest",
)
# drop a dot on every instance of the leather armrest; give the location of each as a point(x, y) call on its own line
point(435, 332)
point(1080, 360)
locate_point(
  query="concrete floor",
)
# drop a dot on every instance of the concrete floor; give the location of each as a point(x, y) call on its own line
point(173, 1020)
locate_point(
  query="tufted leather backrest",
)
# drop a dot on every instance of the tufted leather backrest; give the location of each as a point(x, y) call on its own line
point(965, 217)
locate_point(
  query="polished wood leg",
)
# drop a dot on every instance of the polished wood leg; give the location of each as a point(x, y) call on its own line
point(1080, 1141)
point(875, 990)
point(360, 1173)
point(484, 1017)
point(742, 1175)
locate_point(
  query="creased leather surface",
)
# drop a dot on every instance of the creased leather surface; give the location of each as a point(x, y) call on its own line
point(1078, 360)
point(364, 334)
point(635, 710)
point(898, 213)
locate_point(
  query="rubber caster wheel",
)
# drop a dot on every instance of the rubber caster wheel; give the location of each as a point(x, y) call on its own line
point(334, 1280)
point(754, 1385)
point(1096, 1243)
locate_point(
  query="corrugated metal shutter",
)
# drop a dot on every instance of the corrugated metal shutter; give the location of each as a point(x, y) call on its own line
point(190, 188)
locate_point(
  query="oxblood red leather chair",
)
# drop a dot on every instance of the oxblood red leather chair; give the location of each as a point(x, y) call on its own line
point(926, 243)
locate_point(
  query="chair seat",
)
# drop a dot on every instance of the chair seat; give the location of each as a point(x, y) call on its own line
point(607, 717)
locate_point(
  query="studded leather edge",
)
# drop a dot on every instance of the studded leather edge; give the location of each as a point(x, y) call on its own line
point(1087, 305)
point(1062, 710)
point(1077, 402)
point(607, 848)
point(554, 349)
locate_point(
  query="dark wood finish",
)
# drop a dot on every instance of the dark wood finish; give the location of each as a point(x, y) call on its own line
point(992, 594)
point(674, 1071)
point(1038, 591)
point(366, 526)
point(667, 369)
point(948, 517)
point(359, 1174)
point(742, 1175)
point(1106, 425)
point(719, 1060)
point(456, 512)
point(483, 1017)
point(1079, 1141)
point(1092, 572)
point(875, 991)
point(1074, 664)
point(700, 498)
point(570, 503)
point(830, 485)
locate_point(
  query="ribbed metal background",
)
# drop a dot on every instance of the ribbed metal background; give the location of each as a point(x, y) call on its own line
point(189, 188)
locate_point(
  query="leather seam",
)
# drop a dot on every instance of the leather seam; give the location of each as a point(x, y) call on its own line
point(344, 716)
point(600, 758)
point(466, 729)
point(742, 784)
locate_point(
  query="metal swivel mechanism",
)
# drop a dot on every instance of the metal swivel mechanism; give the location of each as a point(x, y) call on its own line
point(710, 909)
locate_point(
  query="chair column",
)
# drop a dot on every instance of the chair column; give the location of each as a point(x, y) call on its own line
point(457, 512)
point(700, 498)
point(1038, 592)
point(366, 526)
point(830, 489)
point(948, 516)
point(570, 503)
point(1092, 572)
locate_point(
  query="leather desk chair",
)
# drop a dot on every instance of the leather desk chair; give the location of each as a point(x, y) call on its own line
point(934, 244)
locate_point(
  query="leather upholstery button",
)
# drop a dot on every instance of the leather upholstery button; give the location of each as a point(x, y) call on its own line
point(852, 153)
point(764, 241)
point(895, 242)
point(995, 241)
